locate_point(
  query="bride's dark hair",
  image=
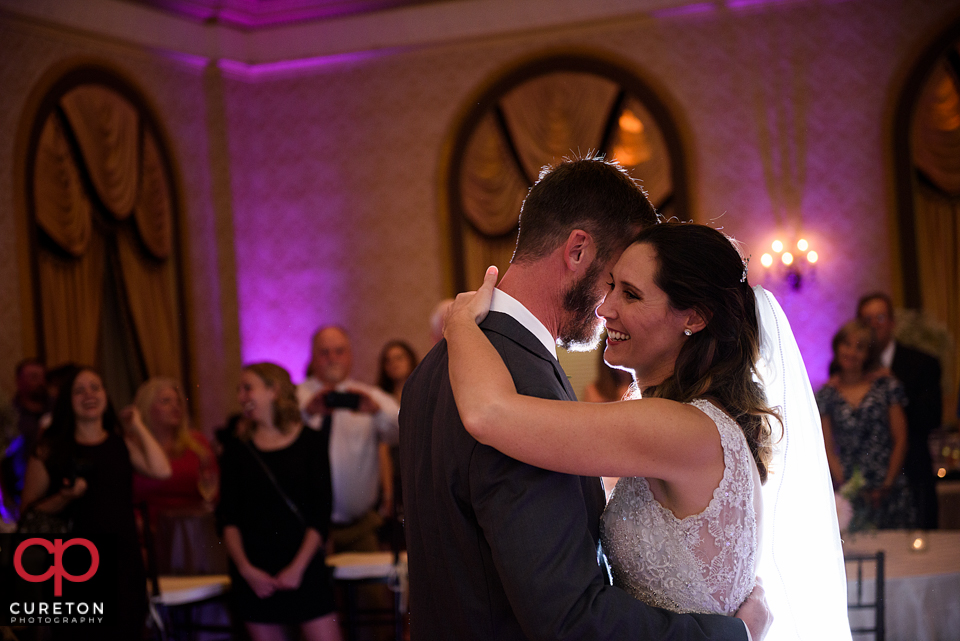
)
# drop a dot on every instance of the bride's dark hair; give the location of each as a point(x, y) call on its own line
point(699, 268)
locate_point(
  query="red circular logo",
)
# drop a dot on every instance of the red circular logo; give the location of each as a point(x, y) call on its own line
point(56, 570)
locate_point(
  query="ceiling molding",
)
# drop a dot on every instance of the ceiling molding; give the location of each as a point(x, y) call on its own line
point(335, 38)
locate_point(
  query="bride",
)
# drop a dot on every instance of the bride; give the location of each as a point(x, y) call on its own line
point(688, 527)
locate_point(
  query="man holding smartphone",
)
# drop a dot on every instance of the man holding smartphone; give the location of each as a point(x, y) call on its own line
point(357, 417)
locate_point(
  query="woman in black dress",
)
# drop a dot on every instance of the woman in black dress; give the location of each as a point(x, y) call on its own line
point(82, 471)
point(275, 501)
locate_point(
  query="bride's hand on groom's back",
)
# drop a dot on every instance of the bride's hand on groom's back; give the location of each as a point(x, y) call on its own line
point(472, 307)
point(755, 613)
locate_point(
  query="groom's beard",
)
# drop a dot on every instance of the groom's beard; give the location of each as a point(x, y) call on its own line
point(583, 330)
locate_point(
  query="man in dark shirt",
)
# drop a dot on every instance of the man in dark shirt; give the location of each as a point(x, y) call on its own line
point(920, 374)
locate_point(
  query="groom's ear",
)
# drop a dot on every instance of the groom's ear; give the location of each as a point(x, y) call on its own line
point(579, 250)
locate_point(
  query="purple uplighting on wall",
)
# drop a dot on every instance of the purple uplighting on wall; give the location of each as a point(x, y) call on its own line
point(685, 10)
point(300, 65)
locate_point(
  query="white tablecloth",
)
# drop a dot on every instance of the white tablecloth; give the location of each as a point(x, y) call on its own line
point(922, 589)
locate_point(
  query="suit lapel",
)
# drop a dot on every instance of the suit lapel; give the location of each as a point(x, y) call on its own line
point(509, 327)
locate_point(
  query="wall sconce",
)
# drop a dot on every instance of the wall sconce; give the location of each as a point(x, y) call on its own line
point(792, 266)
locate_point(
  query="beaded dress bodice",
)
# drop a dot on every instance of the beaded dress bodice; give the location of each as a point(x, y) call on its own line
point(704, 563)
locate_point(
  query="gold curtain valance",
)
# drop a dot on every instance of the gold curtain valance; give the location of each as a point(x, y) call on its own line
point(153, 212)
point(106, 127)
point(491, 187)
point(936, 131)
point(558, 112)
point(62, 208)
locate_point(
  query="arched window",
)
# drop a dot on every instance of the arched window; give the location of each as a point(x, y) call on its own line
point(536, 115)
point(927, 156)
point(102, 210)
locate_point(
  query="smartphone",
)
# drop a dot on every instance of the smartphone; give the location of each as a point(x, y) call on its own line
point(347, 400)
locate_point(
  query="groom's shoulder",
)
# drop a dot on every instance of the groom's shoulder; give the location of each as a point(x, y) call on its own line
point(534, 370)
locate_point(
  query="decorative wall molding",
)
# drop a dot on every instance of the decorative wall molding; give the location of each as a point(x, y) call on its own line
point(320, 37)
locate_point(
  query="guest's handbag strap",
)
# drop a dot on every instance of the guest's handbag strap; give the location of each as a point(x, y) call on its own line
point(273, 480)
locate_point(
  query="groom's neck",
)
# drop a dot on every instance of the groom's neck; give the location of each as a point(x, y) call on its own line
point(538, 286)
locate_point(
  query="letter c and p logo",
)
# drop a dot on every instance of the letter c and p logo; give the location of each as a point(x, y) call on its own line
point(56, 570)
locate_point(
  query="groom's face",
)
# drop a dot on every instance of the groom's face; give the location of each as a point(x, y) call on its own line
point(582, 330)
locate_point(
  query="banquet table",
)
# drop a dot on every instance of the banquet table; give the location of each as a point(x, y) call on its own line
point(922, 588)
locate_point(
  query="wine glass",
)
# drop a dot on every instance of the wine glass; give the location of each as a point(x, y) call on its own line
point(208, 482)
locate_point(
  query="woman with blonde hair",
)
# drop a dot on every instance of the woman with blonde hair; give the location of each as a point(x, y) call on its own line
point(274, 509)
point(181, 505)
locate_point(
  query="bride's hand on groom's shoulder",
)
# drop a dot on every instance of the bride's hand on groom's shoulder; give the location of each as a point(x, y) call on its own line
point(473, 306)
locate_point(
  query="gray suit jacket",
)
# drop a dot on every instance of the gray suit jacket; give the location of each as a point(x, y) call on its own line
point(500, 550)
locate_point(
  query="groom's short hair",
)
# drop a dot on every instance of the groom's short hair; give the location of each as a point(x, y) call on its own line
point(592, 194)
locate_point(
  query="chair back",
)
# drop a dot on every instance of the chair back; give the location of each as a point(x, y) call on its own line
point(150, 546)
point(860, 600)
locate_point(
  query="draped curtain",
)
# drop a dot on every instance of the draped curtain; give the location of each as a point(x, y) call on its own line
point(102, 201)
point(935, 145)
point(538, 123)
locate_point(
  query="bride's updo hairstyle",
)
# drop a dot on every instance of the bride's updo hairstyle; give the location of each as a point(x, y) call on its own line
point(699, 268)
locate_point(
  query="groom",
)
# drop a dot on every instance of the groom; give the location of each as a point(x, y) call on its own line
point(499, 549)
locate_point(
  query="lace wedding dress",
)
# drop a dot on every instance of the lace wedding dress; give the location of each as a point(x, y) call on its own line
point(704, 563)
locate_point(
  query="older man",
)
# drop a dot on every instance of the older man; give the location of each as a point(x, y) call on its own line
point(499, 549)
point(358, 417)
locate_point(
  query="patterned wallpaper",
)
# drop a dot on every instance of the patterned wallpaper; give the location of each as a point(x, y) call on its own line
point(335, 167)
point(336, 170)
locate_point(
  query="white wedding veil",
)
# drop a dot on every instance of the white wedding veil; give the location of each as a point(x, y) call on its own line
point(801, 561)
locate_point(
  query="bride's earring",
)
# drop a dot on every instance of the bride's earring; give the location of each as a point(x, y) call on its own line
point(687, 332)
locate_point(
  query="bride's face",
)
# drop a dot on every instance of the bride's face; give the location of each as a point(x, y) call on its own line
point(644, 333)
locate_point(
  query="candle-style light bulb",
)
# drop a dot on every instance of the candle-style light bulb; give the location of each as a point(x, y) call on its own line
point(787, 258)
point(777, 246)
point(802, 245)
point(812, 257)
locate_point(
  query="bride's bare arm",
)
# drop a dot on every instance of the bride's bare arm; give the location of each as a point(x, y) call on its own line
point(651, 437)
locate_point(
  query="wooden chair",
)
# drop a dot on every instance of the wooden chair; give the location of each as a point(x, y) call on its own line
point(858, 601)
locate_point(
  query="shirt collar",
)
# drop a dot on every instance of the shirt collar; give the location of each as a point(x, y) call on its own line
point(886, 356)
point(507, 304)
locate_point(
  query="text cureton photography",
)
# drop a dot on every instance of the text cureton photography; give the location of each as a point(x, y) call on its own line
point(57, 579)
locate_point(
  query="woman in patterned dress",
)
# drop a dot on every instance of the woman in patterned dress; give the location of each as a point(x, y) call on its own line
point(865, 430)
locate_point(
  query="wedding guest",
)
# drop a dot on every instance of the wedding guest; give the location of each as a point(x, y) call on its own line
point(865, 430)
point(30, 403)
point(920, 374)
point(357, 418)
point(397, 361)
point(275, 512)
point(181, 506)
point(82, 474)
